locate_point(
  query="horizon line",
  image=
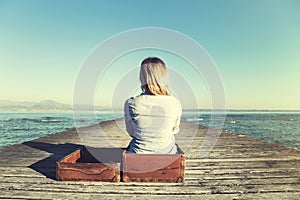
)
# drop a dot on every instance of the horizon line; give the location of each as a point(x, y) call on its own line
point(108, 107)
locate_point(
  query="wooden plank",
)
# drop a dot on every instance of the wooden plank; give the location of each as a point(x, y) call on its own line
point(42, 195)
point(10, 181)
point(159, 190)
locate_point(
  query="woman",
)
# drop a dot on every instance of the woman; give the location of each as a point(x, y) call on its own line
point(153, 117)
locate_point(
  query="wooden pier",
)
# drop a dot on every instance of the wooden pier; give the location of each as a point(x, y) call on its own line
point(238, 167)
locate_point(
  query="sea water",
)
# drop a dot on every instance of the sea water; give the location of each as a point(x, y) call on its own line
point(274, 126)
point(18, 127)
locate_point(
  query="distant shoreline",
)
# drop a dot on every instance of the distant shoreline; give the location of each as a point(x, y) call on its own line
point(121, 110)
point(55, 106)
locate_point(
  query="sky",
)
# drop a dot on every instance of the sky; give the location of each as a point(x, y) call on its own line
point(255, 45)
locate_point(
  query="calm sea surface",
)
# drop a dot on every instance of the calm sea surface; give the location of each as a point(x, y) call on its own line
point(274, 126)
point(280, 127)
point(17, 127)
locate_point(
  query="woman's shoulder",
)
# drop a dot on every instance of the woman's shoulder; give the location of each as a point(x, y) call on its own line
point(154, 99)
point(145, 97)
point(130, 101)
point(143, 101)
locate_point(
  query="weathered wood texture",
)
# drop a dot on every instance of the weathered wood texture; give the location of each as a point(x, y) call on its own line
point(238, 167)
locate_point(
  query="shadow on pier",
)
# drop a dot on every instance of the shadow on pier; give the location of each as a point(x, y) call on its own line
point(47, 166)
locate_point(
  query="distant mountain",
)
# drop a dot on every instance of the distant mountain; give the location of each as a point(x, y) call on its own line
point(45, 105)
point(6, 105)
point(15, 103)
point(50, 105)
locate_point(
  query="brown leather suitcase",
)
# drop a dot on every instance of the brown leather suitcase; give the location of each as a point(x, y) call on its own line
point(153, 167)
point(82, 166)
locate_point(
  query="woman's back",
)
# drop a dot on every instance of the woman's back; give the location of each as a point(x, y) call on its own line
point(152, 121)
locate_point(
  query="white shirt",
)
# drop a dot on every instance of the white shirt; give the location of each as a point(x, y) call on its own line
point(152, 121)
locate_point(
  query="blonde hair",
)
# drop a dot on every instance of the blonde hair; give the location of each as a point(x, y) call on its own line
point(153, 76)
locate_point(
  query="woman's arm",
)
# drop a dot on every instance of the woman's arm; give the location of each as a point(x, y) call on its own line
point(176, 126)
point(128, 119)
point(177, 121)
